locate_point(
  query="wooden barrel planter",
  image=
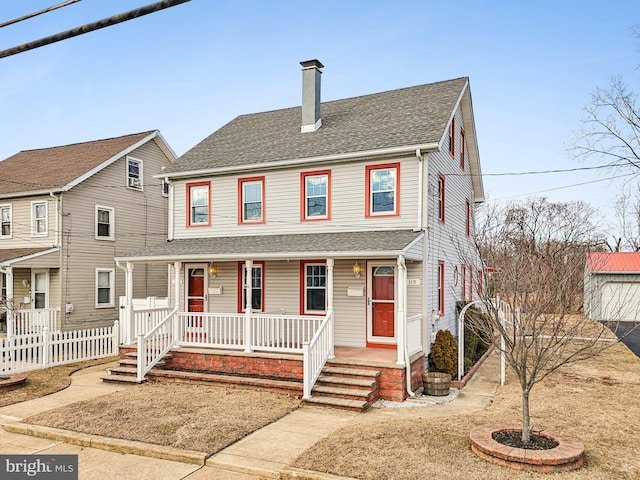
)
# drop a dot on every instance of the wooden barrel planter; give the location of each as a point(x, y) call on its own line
point(436, 383)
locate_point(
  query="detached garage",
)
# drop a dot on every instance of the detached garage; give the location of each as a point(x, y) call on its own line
point(612, 286)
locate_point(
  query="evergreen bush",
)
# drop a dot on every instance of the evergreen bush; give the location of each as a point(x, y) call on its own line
point(444, 354)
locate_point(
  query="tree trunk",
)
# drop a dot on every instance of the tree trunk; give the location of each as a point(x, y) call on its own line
point(526, 418)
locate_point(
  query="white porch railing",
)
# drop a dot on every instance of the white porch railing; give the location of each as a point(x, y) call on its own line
point(32, 351)
point(315, 354)
point(33, 320)
point(275, 333)
point(153, 345)
point(414, 335)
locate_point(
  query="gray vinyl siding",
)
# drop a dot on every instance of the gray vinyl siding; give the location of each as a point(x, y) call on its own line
point(283, 202)
point(448, 241)
point(21, 235)
point(140, 218)
point(350, 313)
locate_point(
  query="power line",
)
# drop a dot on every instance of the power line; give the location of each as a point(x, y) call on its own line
point(39, 12)
point(90, 27)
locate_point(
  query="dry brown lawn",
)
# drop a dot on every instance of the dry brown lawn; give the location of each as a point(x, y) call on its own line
point(195, 417)
point(46, 381)
point(597, 401)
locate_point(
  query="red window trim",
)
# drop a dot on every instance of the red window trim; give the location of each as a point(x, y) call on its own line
point(188, 187)
point(240, 286)
point(470, 283)
point(468, 217)
point(441, 286)
point(452, 137)
point(441, 198)
point(303, 269)
point(464, 282)
point(241, 220)
point(479, 282)
point(303, 195)
point(396, 198)
point(462, 162)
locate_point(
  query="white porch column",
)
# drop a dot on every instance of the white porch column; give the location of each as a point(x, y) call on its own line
point(177, 267)
point(129, 330)
point(8, 271)
point(401, 319)
point(248, 289)
point(330, 302)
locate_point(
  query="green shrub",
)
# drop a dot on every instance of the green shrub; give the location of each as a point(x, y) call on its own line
point(444, 354)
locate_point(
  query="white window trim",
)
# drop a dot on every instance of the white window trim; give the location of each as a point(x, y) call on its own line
point(112, 223)
point(305, 287)
point(325, 196)
point(111, 272)
point(140, 180)
point(34, 231)
point(190, 189)
point(10, 207)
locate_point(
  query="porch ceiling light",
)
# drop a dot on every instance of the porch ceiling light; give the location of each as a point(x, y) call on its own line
point(213, 270)
point(356, 270)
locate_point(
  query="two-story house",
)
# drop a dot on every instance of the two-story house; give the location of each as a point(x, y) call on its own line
point(341, 223)
point(66, 211)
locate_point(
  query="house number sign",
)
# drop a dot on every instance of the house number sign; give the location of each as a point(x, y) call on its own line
point(413, 281)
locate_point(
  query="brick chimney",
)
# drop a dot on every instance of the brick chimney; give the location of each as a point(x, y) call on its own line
point(311, 120)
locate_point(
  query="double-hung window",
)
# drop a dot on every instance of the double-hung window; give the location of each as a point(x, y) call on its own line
point(104, 287)
point(105, 223)
point(462, 150)
point(39, 224)
point(441, 206)
point(134, 173)
point(257, 287)
point(314, 287)
point(464, 282)
point(198, 204)
point(440, 288)
point(452, 137)
point(468, 218)
point(5, 221)
point(3, 286)
point(316, 192)
point(251, 201)
point(383, 190)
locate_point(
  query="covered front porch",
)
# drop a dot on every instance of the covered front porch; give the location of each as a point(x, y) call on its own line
point(28, 300)
point(287, 303)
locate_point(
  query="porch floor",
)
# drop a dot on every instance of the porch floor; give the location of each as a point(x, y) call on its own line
point(384, 355)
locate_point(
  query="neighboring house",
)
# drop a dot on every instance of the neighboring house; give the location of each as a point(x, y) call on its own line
point(66, 212)
point(353, 211)
point(612, 286)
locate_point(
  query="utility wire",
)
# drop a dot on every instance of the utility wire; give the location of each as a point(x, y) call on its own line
point(90, 27)
point(39, 12)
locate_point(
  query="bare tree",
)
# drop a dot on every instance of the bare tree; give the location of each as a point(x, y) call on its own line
point(539, 248)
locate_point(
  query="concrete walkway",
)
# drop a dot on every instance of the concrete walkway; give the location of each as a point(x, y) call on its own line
point(264, 454)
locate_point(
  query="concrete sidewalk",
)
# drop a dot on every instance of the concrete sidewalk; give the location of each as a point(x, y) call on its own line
point(265, 453)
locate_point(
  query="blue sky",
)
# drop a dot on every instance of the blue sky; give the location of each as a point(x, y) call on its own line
point(190, 69)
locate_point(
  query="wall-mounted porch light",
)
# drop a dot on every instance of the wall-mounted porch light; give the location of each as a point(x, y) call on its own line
point(356, 270)
point(213, 270)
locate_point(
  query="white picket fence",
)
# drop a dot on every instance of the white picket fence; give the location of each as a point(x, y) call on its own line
point(22, 353)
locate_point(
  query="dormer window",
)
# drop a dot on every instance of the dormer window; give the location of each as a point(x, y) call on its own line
point(134, 173)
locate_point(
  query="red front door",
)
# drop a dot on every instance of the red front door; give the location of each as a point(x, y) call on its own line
point(195, 293)
point(383, 301)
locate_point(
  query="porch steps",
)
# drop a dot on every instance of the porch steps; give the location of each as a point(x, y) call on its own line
point(126, 371)
point(345, 388)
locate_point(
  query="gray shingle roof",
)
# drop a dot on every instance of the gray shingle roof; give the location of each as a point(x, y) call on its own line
point(405, 117)
point(273, 245)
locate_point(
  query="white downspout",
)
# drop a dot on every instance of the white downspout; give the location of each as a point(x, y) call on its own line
point(170, 220)
point(402, 323)
point(127, 329)
point(248, 265)
point(420, 206)
point(8, 271)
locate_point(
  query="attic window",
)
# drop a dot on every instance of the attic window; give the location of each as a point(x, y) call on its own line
point(134, 173)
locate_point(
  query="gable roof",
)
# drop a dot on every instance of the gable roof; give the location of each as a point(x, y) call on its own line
point(408, 118)
point(61, 168)
point(613, 262)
